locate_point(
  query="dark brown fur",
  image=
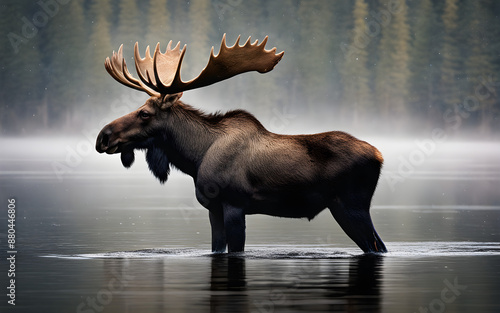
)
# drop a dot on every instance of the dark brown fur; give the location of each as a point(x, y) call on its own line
point(240, 168)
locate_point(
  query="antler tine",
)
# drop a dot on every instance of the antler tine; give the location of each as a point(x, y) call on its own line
point(143, 64)
point(247, 43)
point(169, 46)
point(109, 65)
point(263, 43)
point(223, 47)
point(117, 68)
point(177, 84)
point(159, 83)
point(237, 43)
point(178, 46)
point(167, 67)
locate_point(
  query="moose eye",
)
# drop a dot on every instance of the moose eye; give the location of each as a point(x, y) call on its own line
point(144, 115)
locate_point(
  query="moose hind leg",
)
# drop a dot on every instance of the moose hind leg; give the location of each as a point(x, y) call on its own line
point(218, 232)
point(234, 223)
point(353, 215)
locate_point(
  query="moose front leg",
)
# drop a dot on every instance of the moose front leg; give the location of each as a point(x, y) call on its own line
point(234, 223)
point(218, 232)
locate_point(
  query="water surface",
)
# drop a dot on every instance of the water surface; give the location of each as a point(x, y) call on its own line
point(94, 237)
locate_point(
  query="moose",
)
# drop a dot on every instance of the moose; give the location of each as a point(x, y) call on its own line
point(238, 166)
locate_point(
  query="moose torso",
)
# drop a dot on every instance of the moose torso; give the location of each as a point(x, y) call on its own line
point(263, 172)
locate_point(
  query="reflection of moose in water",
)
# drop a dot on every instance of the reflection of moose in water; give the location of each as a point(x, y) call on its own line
point(237, 165)
point(235, 283)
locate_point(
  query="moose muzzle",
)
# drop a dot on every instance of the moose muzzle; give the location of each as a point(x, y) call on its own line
point(104, 143)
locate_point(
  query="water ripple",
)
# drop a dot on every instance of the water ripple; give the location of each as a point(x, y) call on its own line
point(396, 249)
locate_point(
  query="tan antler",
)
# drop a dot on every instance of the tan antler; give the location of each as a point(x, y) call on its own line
point(161, 74)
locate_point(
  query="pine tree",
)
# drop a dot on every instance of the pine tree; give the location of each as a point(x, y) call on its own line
point(314, 64)
point(400, 54)
point(20, 70)
point(280, 84)
point(494, 43)
point(356, 95)
point(494, 46)
point(180, 20)
point(478, 65)
point(392, 71)
point(340, 35)
point(422, 60)
point(129, 30)
point(199, 41)
point(251, 87)
point(65, 45)
point(99, 47)
point(452, 63)
point(159, 27)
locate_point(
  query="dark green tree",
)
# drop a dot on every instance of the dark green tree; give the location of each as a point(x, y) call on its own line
point(392, 72)
point(199, 41)
point(179, 13)
point(245, 18)
point(250, 88)
point(64, 48)
point(99, 47)
point(159, 27)
point(423, 62)
point(478, 66)
point(452, 62)
point(282, 83)
point(356, 93)
point(315, 62)
point(20, 68)
point(341, 35)
point(129, 29)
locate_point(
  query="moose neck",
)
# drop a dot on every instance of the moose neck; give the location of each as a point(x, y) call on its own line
point(189, 134)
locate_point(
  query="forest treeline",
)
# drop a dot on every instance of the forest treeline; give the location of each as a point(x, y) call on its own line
point(427, 63)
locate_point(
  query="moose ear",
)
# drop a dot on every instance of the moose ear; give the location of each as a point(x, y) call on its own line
point(168, 100)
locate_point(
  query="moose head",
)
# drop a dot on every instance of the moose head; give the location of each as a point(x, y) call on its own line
point(237, 165)
point(160, 77)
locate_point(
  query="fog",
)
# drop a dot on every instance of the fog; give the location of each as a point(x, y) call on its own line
point(418, 172)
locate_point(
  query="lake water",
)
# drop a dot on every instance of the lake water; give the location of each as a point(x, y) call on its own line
point(92, 236)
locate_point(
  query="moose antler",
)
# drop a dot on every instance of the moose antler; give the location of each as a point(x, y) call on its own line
point(161, 74)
